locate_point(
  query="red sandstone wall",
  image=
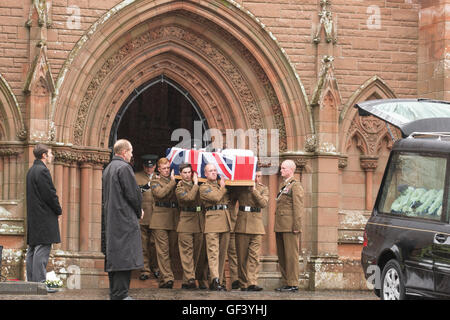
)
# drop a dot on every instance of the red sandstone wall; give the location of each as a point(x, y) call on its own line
point(363, 48)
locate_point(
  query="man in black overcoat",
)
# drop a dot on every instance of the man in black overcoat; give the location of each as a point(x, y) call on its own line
point(43, 211)
point(121, 211)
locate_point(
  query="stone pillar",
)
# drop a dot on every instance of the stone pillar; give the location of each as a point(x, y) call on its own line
point(325, 267)
point(273, 189)
point(6, 179)
point(65, 207)
point(369, 164)
point(96, 208)
point(13, 176)
point(58, 179)
point(85, 201)
point(2, 170)
point(74, 208)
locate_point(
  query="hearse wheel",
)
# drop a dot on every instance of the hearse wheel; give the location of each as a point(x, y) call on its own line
point(392, 283)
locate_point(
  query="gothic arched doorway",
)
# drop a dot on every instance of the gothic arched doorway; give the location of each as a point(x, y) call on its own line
point(151, 114)
point(232, 67)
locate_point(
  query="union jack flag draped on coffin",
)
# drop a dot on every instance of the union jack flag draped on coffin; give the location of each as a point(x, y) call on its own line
point(232, 164)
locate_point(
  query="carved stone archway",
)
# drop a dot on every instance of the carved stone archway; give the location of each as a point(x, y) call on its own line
point(232, 67)
point(254, 64)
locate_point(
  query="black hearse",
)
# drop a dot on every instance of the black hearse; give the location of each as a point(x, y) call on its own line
point(406, 248)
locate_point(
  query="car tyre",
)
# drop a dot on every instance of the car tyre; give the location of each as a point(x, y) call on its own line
point(392, 282)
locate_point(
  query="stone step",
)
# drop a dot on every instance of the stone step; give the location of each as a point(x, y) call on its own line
point(22, 287)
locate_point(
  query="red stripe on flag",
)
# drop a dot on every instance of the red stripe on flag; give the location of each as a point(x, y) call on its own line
point(243, 169)
point(193, 159)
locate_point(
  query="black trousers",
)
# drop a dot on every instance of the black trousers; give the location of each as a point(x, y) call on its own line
point(36, 260)
point(119, 284)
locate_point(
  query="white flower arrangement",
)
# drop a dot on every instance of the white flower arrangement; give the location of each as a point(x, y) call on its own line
point(53, 281)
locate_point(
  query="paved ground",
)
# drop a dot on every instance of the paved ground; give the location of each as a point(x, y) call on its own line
point(178, 294)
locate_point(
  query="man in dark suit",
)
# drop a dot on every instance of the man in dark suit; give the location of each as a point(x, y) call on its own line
point(121, 211)
point(43, 210)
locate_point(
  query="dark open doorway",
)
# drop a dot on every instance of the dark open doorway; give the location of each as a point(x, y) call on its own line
point(150, 115)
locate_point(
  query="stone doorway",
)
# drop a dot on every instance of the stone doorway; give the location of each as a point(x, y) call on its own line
point(151, 114)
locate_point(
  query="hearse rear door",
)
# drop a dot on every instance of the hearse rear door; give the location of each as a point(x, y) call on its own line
point(429, 116)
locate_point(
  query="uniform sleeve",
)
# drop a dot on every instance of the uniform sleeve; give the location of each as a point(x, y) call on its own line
point(48, 194)
point(184, 195)
point(209, 194)
point(159, 191)
point(261, 197)
point(130, 189)
point(297, 197)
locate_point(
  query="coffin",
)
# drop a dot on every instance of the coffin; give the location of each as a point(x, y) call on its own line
point(236, 166)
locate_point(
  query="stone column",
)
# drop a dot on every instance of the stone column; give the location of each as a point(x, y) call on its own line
point(273, 189)
point(74, 221)
point(85, 196)
point(2, 170)
point(58, 179)
point(325, 267)
point(65, 207)
point(13, 176)
point(6, 180)
point(96, 208)
point(369, 164)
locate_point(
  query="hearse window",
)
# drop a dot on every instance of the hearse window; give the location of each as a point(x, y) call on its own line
point(414, 186)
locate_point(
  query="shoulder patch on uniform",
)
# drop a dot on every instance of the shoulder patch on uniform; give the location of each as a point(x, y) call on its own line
point(155, 185)
point(183, 194)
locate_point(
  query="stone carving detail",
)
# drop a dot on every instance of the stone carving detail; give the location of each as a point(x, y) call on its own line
point(22, 134)
point(369, 163)
point(300, 162)
point(72, 156)
point(325, 70)
point(10, 152)
point(258, 71)
point(371, 124)
point(342, 163)
point(311, 143)
point(43, 10)
point(238, 80)
point(370, 133)
point(326, 22)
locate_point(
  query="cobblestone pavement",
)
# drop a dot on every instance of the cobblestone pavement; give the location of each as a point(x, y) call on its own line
point(178, 294)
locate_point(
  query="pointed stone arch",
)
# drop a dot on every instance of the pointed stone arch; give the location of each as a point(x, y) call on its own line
point(370, 128)
point(219, 47)
point(358, 140)
point(368, 135)
point(13, 127)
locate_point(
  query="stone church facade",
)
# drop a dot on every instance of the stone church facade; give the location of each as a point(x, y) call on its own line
point(78, 74)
